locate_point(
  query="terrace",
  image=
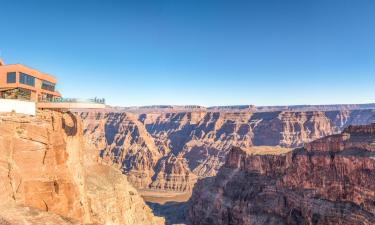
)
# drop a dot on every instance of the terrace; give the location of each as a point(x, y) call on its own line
point(71, 103)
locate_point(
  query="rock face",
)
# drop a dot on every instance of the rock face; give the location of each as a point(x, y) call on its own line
point(112, 200)
point(126, 144)
point(140, 144)
point(241, 108)
point(329, 181)
point(43, 166)
point(41, 163)
point(173, 174)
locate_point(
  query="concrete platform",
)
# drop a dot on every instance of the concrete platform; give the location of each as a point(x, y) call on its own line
point(69, 105)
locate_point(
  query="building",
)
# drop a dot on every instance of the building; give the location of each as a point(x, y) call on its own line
point(21, 82)
point(24, 89)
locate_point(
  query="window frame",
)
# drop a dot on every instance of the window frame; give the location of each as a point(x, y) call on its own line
point(27, 79)
point(48, 86)
point(13, 79)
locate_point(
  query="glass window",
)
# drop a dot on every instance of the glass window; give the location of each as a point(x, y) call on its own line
point(22, 78)
point(27, 79)
point(48, 86)
point(30, 81)
point(11, 77)
point(17, 93)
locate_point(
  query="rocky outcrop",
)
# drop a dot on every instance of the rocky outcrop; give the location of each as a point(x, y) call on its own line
point(137, 144)
point(112, 200)
point(12, 214)
point(41, 163)
point(45, 172)
point(173, 174)
point(329, 181)
point(127, 145)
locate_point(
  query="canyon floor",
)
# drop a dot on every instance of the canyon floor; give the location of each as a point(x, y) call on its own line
point(170, 205)
point(163, 197)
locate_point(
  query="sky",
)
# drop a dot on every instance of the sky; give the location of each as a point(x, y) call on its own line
point(197, 52)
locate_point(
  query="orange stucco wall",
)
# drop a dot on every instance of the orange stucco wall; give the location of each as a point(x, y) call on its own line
point(4, 69)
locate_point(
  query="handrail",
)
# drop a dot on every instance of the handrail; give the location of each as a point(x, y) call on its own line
point(75, 100)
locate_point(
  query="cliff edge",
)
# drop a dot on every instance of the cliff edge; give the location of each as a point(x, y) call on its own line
point(46, 176)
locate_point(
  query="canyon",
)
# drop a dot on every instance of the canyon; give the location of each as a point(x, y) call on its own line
point(328, 181)
point(223, 165)
point(49, 176)
point(170, 149)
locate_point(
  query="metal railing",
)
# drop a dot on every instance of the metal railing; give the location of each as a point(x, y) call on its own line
point(75, 100)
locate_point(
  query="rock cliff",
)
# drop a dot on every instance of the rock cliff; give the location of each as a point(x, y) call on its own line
point(140, 143)
point(329, 181)
point(173, 174)
point(46, 176)
point(126, 144)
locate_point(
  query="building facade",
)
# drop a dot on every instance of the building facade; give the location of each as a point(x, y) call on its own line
point(24, 83)
point(24, 90)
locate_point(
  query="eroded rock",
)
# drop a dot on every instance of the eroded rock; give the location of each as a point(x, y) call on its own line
point(328, 182)
point(46, 170)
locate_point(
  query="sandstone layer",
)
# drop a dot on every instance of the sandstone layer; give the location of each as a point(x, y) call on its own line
point(145, 146)
point(46, 176)
point(329, 181)
point(239, 108)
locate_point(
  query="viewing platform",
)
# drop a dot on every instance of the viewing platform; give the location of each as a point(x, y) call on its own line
point(71, 103)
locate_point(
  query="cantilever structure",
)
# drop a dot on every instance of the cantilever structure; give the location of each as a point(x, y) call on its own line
point(64, 103)
point(21, 85)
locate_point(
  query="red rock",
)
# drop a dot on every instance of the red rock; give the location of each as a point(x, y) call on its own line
point(139, 143)
point(328, 182)
point(48, 176)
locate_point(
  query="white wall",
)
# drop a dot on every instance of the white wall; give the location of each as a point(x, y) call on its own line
point(10, 105)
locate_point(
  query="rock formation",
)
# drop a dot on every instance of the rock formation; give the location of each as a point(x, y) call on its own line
point(147, 162)
point(138, 143)
point(329, 181)
point(240, 108)
point(44, 176)
point(173, 174)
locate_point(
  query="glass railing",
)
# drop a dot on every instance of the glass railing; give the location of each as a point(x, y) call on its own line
point(75, 100)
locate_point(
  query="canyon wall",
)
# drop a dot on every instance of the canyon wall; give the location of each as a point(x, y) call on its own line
point(329, 181)
point(169, 151)
point(48, 177)
point(240, 108)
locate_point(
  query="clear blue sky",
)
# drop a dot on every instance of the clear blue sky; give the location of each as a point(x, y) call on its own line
point(206, 52)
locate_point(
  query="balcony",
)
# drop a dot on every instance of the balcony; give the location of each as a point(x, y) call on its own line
point(71, 103)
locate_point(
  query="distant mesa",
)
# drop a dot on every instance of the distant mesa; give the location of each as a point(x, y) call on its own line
point(239, 108)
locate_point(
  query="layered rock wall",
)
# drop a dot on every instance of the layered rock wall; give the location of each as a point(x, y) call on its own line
point(44, 172)
point(330, 181)
point(139, 144)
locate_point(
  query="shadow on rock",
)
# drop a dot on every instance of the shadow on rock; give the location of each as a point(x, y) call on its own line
point(173, 212)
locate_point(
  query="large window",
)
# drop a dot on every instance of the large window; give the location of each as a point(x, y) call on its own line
point(27, 79)
point(11, 77)
point(48, 86)
point(17, 93)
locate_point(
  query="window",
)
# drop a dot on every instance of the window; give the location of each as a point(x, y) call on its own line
point(11, 77)
point(30, 81)
point(48, 86)
point(27, 79)
point(22, 78)
point(17, 93)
